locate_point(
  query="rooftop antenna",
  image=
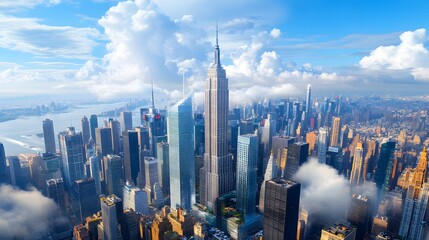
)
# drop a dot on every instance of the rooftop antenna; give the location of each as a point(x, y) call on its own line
point(153, 101)
point(217, 51)
point(217, 35)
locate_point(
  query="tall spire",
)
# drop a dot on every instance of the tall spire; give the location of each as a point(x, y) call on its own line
point(153, 100)
point(217, 51)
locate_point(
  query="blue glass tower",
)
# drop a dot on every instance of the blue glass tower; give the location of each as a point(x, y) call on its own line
point(247, 162)
point(181, 154)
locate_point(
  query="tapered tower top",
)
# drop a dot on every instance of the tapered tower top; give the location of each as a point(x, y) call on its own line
point(217, 50)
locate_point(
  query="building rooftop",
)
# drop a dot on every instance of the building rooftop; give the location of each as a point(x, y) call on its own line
point(284, 183)
point(110, 200)
point(339, 230)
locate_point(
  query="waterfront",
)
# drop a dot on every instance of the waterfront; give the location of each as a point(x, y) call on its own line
point(22, 135)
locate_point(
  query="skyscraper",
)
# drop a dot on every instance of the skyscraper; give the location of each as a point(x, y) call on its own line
point(94, 165)
point(109, 213)
point(131, 155)
point(359, 214)
point(322, 144)
point(93, 125)
point(297, 154)
point(103, 140)
point(151, 174)
point(126, 121)
point(3, 167)
point(164, 166)
point(357, 174)
point(338, 232)
point(85, 130)
point(269, 174)
point(113, 172)
point(281, 209)
point(49, 135)
point(144, 139)
point(247, 161)
point(115, 127)
point(218, 165)
point(72, 153)
point(335, 135)
point(384, 165)
point(135, 198)
point(307, 101)
point(85, 198)
point(55, 191)
point(181, 154)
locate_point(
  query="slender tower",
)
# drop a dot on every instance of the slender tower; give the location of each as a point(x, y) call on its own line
point(218, 165)
point(307, 103)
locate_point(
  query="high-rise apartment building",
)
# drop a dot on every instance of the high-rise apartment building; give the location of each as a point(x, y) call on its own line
point(126, 121)
point(281, 209)
point(49, 136)
point(247, 161)
point(131, 155)
point(218, 165)
point(181, 154)
point(73, 155)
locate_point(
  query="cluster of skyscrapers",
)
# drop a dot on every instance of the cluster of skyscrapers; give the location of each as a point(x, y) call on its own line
point(222, 174)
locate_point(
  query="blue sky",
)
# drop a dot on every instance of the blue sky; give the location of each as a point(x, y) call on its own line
point(110, 49)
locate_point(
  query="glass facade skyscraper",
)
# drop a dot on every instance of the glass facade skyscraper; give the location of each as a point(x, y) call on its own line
point(181, 154)
point(72, 153)
point(49, 135)
point(247, 162)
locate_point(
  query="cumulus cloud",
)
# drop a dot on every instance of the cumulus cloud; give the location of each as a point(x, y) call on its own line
point(409, 54)
point(322, 189)
point(24, 214)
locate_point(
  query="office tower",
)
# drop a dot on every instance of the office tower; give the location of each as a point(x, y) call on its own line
point(151, 174)
point(112, 174)
point(308, 100)
point(415, 206)
point(126, 121)
point(269, 174)
point(20, 175)
point(322, 144)
point(115, 127)
point(86, 134)
point(357, 175)
point(80, 232)
point(281, 209)
point(93, 125)
point(48, 168)
point(131, 155)
point(94, 166)
point(85, 198)
point(338, 232)
point(109, 213)
point(182, 222)
point(55, 191)
point(279, 144)
point(359, 214)
point(49, 136)
point(103, 141)
point(135, 198)
point(161, 224)
point(158, 196)
point(218, 166)
point(3, 166)
point(335, 131)
point(296, 155)
point(199, 134)
point(267, 133)
point(181, 154)
point(144, 140)
point(379, 224)
point(164, 166)
point(384, 165)
point(73, 156)
point(247, 161)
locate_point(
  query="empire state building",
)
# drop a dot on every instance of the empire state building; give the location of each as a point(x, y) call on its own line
point(218, 177)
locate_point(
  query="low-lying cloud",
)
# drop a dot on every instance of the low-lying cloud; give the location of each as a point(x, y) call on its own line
point(24, 214)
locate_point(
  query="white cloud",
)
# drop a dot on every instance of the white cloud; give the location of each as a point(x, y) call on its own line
point(17, 5)
point(28, 35)
point(24, 214)
point(275, 33)
point(409, 54)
